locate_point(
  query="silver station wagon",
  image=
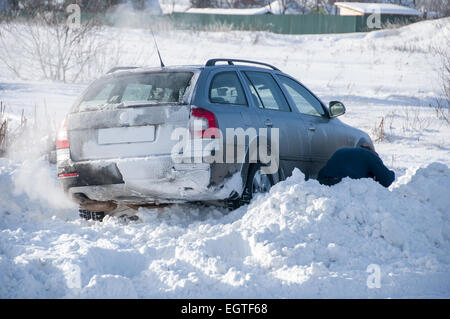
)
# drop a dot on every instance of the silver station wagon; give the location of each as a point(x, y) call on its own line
point(218, 133)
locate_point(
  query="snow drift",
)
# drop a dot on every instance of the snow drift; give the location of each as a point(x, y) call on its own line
point(300, 240)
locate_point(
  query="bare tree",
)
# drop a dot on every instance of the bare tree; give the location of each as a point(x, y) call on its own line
point(47, 46)
point(58, 5)
point(441, 7)
point(442, 49)
point(204, 3)
point(3, 129)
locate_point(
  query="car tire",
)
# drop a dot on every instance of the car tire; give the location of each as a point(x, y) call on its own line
point(88, 215)
point(256, 183)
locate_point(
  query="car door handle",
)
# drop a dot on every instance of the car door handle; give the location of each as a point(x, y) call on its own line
point(312, 128)
point(268, 123)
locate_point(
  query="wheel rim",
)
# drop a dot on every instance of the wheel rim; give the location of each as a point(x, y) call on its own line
point(260, 183)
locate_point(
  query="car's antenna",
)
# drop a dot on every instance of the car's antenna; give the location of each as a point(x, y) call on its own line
point(157, 50)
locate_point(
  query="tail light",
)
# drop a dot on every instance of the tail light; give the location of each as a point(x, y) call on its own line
point(62, 139)
point(68, 175)
point(62, 148)
point(203, 124)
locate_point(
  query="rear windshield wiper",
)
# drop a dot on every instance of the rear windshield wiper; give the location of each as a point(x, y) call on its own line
point(147, 103)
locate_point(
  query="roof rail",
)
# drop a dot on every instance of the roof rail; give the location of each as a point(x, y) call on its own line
point(212, 62)
point(118, 68)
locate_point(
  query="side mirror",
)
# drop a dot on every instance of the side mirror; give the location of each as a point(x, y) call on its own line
point(336, 108)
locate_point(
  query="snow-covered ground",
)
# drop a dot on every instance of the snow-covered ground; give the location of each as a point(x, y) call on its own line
point(300, 240)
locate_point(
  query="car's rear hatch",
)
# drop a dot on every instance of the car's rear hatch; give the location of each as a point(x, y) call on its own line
point(130, 115)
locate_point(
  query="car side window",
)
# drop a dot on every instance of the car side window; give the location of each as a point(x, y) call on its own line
point(267, 90)
point(255, 96)
point(226, 88)
point(304, 101)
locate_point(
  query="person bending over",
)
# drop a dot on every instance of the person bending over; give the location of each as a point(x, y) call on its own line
point(355, 163)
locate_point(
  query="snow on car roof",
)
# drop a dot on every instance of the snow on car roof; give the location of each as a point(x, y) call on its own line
point(158, 68)
point(385, 8)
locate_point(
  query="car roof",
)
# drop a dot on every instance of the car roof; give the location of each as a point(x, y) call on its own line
point(210, 64)
point(134, 70)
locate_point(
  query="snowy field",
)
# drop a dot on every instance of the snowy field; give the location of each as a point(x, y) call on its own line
point(302, 240)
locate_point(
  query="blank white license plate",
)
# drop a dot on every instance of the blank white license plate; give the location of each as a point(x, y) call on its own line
point(118, 135)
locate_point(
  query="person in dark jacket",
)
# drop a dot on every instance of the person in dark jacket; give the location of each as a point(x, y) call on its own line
point(355, 163)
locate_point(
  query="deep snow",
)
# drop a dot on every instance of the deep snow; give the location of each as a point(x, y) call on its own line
point(300, 240)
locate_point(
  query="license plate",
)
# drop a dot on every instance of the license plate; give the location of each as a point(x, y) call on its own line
point(120, 135)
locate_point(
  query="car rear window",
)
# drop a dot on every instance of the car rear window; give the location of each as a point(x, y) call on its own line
point(137, 89)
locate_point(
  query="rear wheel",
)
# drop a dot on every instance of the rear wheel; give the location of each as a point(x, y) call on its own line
point(257, 183)
point(88, 215)
point(260, 183)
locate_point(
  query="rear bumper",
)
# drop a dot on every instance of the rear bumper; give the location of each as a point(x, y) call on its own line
point(146, 180)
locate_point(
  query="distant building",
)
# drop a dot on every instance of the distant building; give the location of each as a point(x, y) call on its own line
point(272, 8)
point(385, 9)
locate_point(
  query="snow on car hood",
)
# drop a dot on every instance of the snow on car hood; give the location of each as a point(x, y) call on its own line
point(300, 240)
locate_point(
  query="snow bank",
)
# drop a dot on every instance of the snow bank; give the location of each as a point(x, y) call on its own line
point(426, 35)
point(300, 240)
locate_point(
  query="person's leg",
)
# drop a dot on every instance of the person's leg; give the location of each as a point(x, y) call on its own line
point(380, 172)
